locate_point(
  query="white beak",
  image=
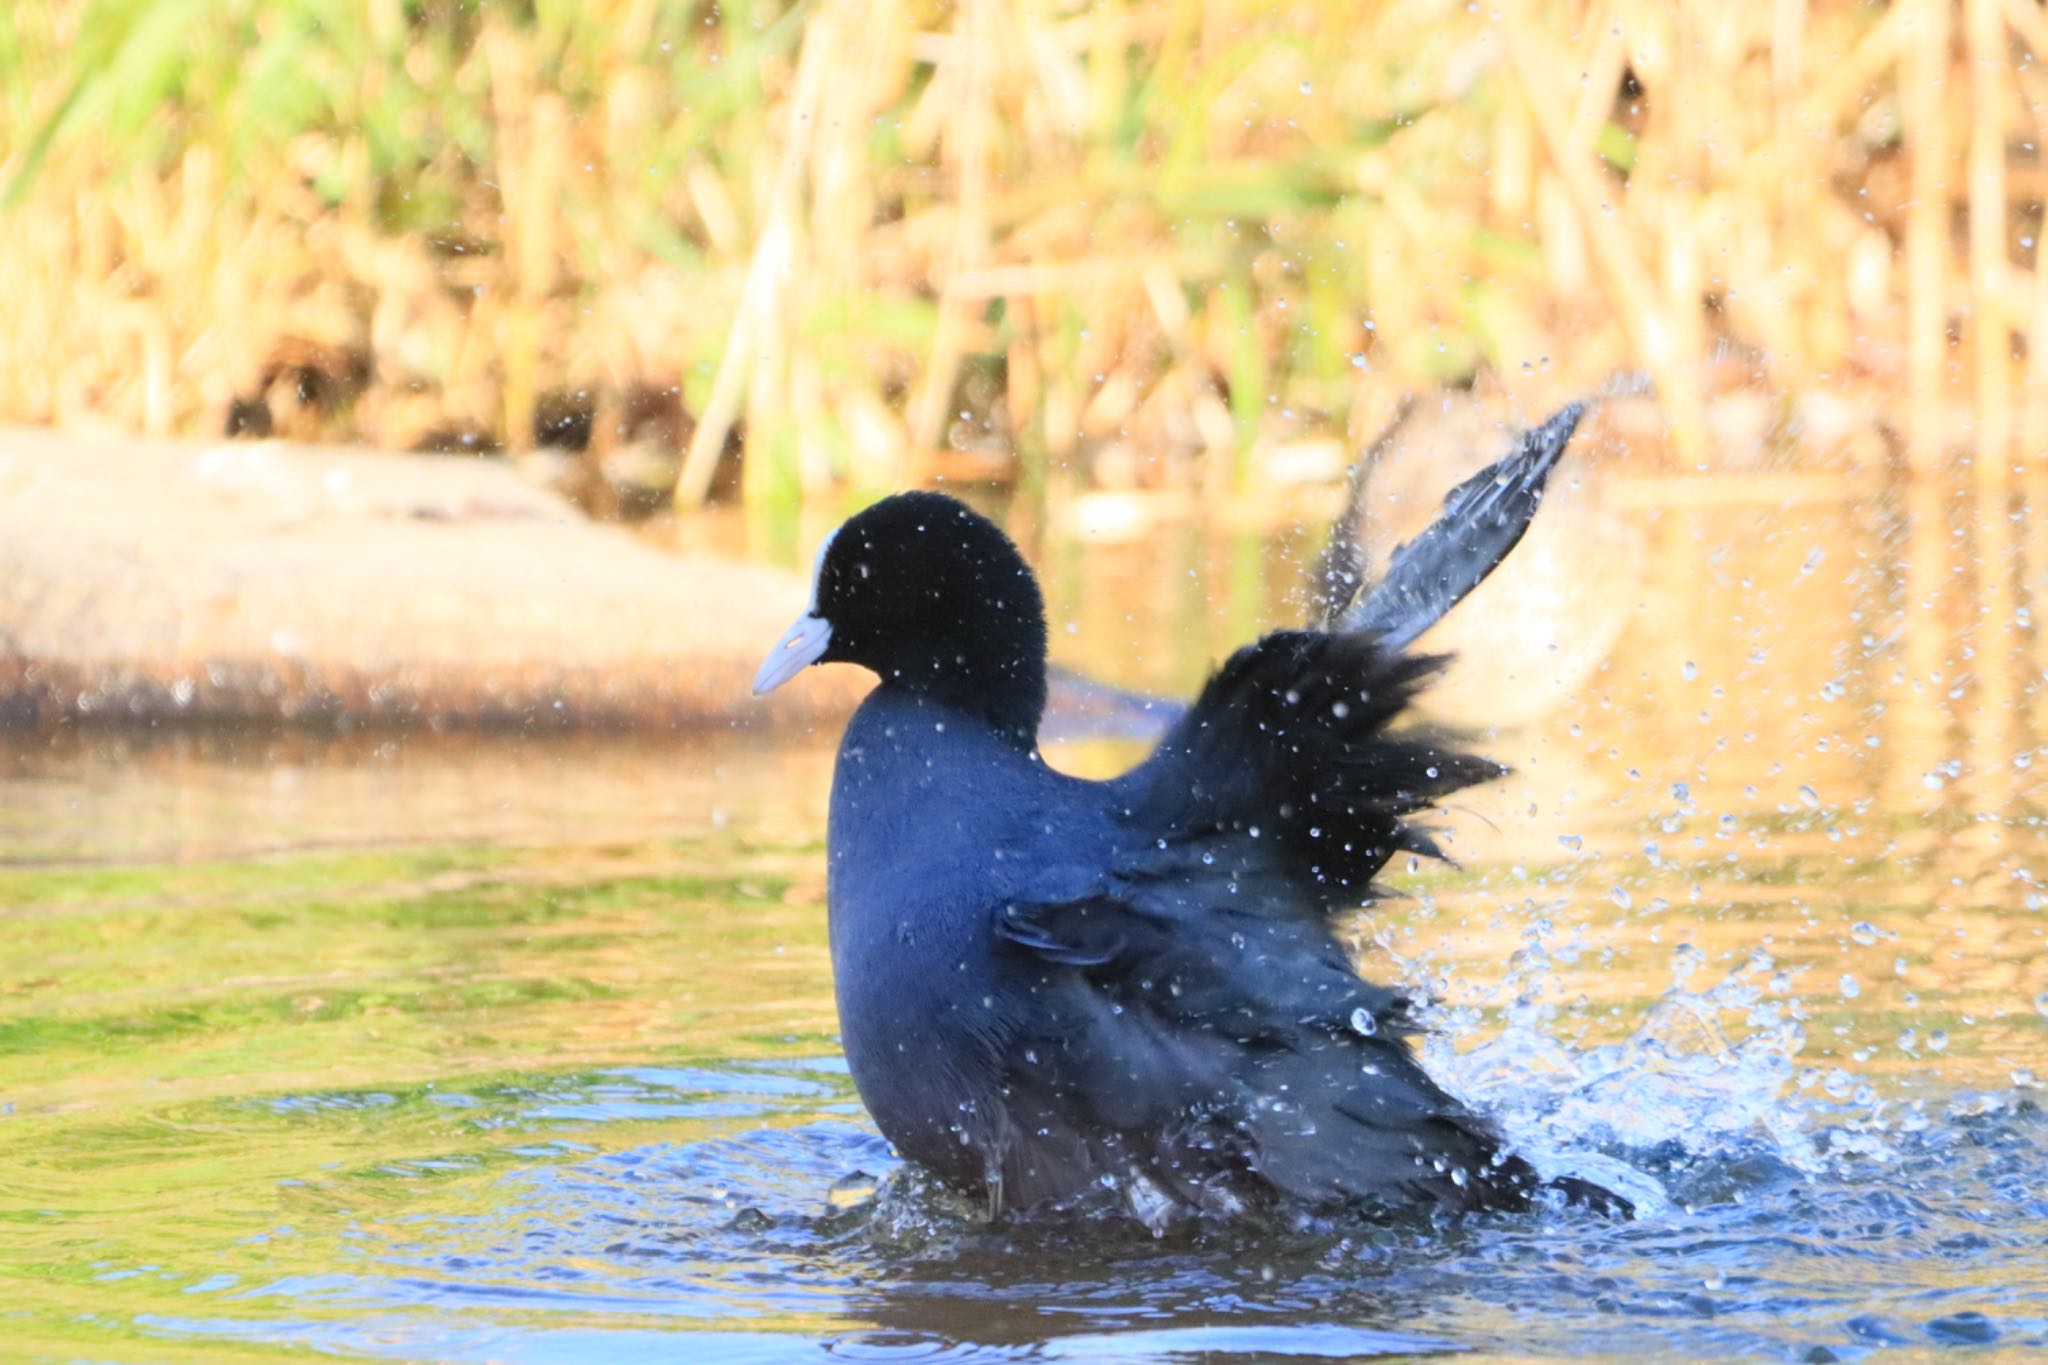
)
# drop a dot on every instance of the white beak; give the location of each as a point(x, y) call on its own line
point(800, 647)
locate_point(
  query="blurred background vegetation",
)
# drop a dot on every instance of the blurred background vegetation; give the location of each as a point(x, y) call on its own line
point(761, 249)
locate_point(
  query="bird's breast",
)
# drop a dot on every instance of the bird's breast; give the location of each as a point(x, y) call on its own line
point(934, 827)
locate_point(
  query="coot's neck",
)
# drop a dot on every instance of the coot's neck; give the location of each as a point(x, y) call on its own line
point(998, 678)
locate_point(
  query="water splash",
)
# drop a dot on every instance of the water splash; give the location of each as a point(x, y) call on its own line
point(1709, 1074)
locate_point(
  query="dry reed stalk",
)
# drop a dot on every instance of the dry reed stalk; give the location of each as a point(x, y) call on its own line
point(530, 129)
point(1641, 312)
point(966, 79)
point(1788, 52)
point(1924, 67)
point(1988, 58)
point(757, 329)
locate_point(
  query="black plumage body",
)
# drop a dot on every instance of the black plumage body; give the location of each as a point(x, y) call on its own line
point(1140, 979)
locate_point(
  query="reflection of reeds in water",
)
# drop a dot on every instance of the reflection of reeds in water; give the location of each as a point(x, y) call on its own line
point(1919, 732)
point(1965, 667)
point(1809, 644)
point(1148, 243)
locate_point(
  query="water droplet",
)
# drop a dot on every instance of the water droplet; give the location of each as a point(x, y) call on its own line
point(1851, 988)
point(1363, 1023)
point(852, 1190)
point(1810, 797)
point(1690, 671)
point(1619, 895)
point(1571, 841)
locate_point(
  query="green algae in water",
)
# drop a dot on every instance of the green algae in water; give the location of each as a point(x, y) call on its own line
point(416, 1103)
point(211, 1074)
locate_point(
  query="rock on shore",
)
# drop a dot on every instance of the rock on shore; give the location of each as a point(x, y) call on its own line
point(146, 581)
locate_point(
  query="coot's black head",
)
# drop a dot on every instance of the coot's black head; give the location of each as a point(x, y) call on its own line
point(936, 600)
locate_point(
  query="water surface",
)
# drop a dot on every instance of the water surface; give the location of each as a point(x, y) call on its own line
point(514, 1050)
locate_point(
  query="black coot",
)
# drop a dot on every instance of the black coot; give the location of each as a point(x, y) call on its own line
point(1049, 986)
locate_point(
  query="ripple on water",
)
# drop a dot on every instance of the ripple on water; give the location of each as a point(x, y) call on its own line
point(1791, 1210)
point(601, 1255)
